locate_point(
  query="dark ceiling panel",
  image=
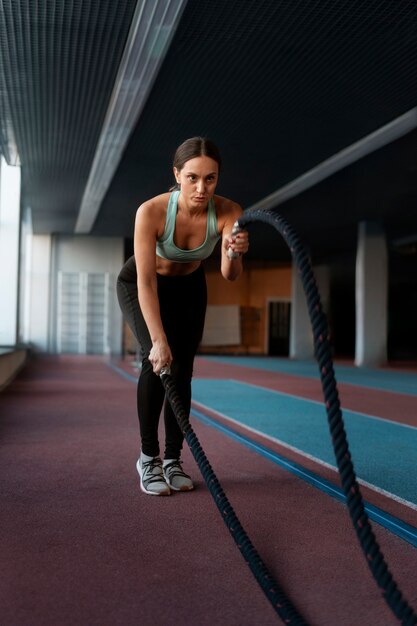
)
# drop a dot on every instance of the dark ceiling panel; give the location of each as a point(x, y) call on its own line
point(280, 86)
point(380, 187)
point(59, 61)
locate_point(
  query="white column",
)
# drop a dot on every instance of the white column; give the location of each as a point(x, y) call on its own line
point(371, 295)
point(26, 236)
point(9, 251)
point(39, 292)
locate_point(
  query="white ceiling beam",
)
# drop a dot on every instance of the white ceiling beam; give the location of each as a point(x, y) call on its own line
point(153, 26)
point(379, 138)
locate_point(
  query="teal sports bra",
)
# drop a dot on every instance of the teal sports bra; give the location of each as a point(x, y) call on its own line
point(165, 246)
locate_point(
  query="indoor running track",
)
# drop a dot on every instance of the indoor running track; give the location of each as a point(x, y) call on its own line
point(81, 544)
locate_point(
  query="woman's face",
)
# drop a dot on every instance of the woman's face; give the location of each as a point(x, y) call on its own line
point(198, 180)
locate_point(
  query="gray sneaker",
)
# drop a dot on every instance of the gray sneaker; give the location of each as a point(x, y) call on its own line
point(176, 478)
point(152, 479)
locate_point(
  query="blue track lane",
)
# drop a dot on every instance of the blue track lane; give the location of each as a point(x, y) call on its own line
point(384, 453)
point(384, 380)
point(287, 418)
point(391, 523)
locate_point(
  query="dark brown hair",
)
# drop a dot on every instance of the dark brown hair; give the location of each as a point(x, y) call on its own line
point(192, 148)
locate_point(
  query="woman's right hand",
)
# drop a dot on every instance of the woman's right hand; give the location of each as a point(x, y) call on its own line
point(160, 355)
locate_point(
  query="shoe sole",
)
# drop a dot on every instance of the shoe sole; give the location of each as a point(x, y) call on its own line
point(151, 493)
point(178, 488)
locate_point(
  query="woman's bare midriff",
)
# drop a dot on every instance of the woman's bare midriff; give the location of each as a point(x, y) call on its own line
point(170, 268)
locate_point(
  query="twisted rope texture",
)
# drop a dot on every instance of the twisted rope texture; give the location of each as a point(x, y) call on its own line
point(279, 601)
point(361, 523)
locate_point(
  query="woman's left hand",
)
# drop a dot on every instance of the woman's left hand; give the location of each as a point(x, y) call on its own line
point(237, 243)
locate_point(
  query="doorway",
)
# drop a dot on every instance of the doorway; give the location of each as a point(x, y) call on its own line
point(279, 315)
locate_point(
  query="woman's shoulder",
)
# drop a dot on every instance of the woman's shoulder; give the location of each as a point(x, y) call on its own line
point(151, 214)
point(153, 209)
point(159, 202)
point(227, 210)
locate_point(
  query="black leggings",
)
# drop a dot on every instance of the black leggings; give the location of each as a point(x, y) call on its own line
point(182, 301)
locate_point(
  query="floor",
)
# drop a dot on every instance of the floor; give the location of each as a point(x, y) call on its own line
point(81, 544)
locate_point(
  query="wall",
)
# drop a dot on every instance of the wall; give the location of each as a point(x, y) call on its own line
point(95, 255)
point(251, 292)
point(46, 256)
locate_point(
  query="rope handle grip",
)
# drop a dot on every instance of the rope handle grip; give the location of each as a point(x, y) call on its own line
point(235, 230)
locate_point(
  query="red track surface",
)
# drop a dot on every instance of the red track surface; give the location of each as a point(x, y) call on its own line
point(82, 545)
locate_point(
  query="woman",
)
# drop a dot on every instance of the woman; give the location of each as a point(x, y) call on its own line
point(162, 293)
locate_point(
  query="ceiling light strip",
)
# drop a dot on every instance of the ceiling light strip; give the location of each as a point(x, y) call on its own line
point(379, 138)
point(153, 26)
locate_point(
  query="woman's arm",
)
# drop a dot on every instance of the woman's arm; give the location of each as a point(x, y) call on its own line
point(146, 232)
point(231, 269)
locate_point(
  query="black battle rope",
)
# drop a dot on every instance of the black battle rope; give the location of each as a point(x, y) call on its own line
point(354, 500)
point(269, 586)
